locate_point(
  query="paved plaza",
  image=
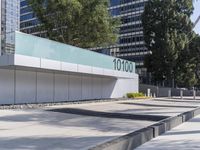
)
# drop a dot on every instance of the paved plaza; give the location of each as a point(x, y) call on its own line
point(82, 126)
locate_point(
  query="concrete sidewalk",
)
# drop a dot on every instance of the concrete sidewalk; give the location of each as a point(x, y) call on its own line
point(183, 137)
point(43, 130)
point(81, 126)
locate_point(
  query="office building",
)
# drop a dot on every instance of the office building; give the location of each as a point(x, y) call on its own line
point(28, 19)
point(130, 45)
point(9, 16)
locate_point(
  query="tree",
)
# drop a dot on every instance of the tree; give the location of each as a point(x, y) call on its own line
point(166, 26)
point(194, 49)
point(82, 23)
point(186, 76)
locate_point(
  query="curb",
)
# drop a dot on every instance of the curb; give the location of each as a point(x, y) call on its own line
point(46, 104)
point(139, 137)
point(75, 102)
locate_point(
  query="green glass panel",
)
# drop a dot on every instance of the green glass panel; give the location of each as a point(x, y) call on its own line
point(30, 45)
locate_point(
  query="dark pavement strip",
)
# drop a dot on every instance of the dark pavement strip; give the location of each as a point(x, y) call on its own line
point(181, 101)
point(186, 98)
point(85, 112)
point(155, 105)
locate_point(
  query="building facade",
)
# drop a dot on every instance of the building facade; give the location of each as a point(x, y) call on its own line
point(130, 45)
point(10, 22)
point(28, 19)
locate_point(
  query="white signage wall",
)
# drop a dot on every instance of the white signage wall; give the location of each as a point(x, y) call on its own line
point(41, 71)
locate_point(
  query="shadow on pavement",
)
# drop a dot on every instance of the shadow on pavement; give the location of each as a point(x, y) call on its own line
point(186, 98)
point(155, 105)
point(109, 114)
point(175, 100)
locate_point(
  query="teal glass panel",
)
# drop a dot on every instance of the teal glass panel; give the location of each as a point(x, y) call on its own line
point(30, 45)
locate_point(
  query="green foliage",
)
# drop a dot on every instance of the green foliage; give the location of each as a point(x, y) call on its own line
point(185, 74)
point(189, 65)
point(134, 95)
point(195, 57)
point(166, 27)
point(186, 77)
point(82, 23)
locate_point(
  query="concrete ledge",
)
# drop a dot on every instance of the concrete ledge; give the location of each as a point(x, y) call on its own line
point(166, 125)
point(158, 129)
point(196, 112)
point(172, 122)
point(139, 137)
point(187, 116)
point(190, 114)
point(127, 142)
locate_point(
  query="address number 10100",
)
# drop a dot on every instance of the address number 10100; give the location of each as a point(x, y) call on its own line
point(123, 65)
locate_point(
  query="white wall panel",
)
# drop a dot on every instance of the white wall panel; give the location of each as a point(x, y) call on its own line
point(25, 87)
point(84, 69)
point(134, 84)
point(61, 87)
point(45, 89)
point(98, 71)
point(75, 92)
point(108, 85)
point(69, 67)
point(6, 86)
point(120, 89)
point(96, 88)
point(86, 87)
point(108, 72)
point(124, 86)
point(28, 61)
point(50, 64)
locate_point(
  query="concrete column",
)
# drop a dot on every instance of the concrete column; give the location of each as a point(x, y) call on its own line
point(181, 94)
point(36, 86)
point(157, 90)
point(148, 92)
point(169, 93)
point(194, 94)
point(154, 95)
point(54, 88)
point(15, 86)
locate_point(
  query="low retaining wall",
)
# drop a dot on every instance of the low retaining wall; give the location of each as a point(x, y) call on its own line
point(137, 138)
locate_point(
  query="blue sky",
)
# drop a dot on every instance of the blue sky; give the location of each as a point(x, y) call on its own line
point(195, 15)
